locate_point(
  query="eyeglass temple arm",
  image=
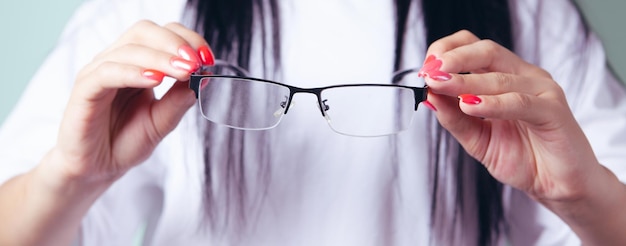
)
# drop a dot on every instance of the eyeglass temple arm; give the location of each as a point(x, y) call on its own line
point(399, 75)
point(239, 70)
point(194, 81)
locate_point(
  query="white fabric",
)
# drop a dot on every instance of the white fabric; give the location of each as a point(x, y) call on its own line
point(325, 188)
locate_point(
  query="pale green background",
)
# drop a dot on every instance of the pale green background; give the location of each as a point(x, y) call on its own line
point(30, 29)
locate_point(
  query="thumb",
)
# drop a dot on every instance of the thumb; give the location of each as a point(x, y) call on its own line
point(167, 112)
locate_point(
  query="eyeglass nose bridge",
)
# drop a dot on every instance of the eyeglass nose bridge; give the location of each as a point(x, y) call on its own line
point(315, 91)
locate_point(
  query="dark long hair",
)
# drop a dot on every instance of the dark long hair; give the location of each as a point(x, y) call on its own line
point(488, 19)
point(229, 26)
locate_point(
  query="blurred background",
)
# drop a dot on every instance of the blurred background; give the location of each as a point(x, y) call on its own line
point(30, 29)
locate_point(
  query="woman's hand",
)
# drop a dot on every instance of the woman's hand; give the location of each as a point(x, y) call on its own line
point(514, 118)
point(112, 121)
point(510, 115)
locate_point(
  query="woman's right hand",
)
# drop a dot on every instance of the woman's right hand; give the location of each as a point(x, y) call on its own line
point(112, 121)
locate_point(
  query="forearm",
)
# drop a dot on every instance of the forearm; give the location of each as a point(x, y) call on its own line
point(42, 208)
point(598, 218)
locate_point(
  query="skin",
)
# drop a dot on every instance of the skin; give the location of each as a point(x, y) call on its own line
point(524, 133)
point(528, 137)
point(111, 124)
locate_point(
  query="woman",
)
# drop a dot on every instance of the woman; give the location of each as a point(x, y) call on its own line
point(119, 165)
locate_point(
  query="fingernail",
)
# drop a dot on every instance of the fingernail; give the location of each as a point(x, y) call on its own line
point(432, 69)
point(184, 64)
point(431, 65)
point(429, 59)
point(153, 74)
point(206, 55)
point(429, 105)
point(439, 75)
point(187, 53)
point(470, 99)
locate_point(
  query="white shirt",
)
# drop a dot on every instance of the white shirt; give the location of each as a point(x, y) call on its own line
point(324, 188)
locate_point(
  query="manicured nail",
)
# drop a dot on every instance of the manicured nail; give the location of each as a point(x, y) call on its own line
point(184, 64)
point(429, 59)
point(429, 105)
point(432, 69)
point(187, 53)
point(153, 74)
point(439, 75)
point(470, 99)
point(206, 55)
point(429, 66)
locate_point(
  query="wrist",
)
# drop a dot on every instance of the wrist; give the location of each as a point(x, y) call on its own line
point(59, 176)
point(53, 202)
point(586, 187)
point(594, 212)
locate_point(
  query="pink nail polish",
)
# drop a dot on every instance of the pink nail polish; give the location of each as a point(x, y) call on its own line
point(439, 75)
point(470, 99)
point(432, 69)
point(187, 53)
point(153, 74)
point(429, 105)
point(206, 55)
point(429, 59)
point(188, 66)
point(432, 65)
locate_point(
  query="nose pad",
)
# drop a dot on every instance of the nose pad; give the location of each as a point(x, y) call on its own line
point(324, 107)
point(283, 106)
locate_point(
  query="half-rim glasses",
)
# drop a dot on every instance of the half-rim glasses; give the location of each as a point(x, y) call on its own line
point(228, 96)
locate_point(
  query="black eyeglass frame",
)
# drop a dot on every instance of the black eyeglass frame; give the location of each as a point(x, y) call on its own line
point(419, 93)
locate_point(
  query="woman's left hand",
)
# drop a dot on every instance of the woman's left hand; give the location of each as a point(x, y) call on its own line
point(511, 116)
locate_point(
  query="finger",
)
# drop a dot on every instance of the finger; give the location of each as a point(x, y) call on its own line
point(142, 56)
point(465, 128)
point(111, 75)
point(486, 55)
point(432, 67)
point(149, 34)
point(168, 111)
point(536, 110)
point(489, 84)
point(148, 127)
point(465, 52)
point(196, 41)
point(455, 40)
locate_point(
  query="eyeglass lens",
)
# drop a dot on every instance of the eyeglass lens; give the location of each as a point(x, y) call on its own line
point(241, 103)
point(368, 110)
point(350, 110)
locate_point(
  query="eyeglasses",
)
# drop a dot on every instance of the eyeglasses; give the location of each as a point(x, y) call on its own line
point(228, 96)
